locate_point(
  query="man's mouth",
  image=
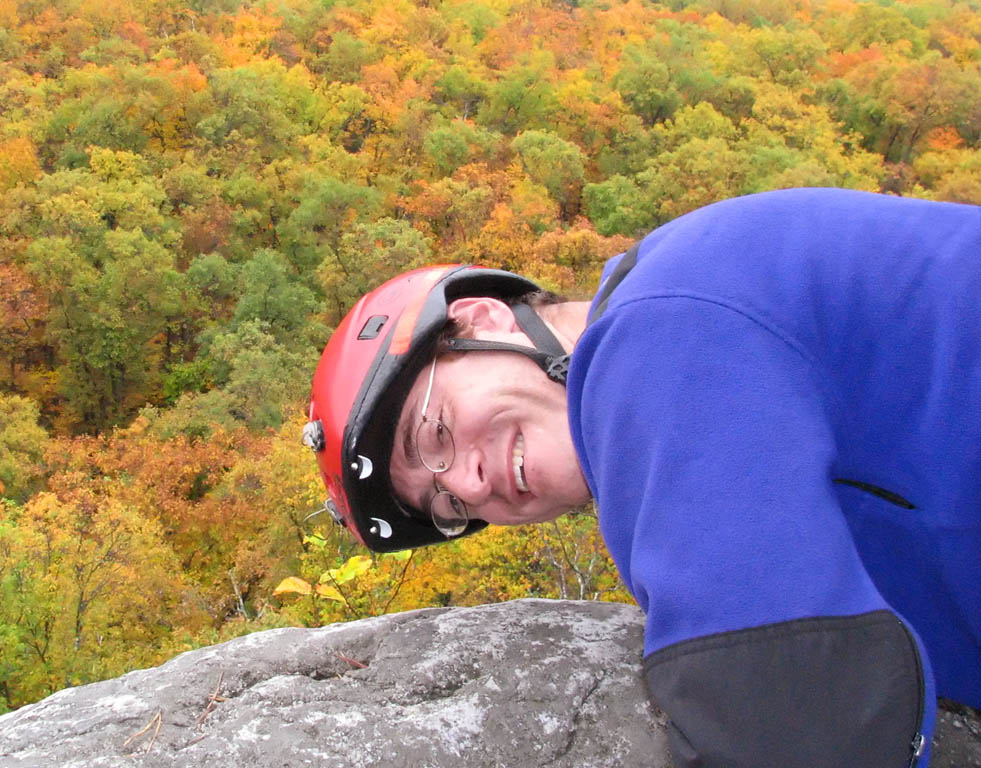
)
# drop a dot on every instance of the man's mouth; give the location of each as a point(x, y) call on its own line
point(518, 464)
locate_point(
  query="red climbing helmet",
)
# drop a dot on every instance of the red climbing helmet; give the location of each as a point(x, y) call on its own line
point(361, 383)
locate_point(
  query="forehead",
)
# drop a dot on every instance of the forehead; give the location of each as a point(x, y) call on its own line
point(442, 374)
point(453, 373)
point(412, 407)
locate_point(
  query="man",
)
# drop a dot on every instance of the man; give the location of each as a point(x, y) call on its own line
point(776, 402)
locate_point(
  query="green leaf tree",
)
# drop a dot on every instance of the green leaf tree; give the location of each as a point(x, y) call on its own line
point(22, 445)
point(269, 292)
point(555, 163)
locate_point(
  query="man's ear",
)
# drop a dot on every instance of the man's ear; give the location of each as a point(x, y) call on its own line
point(481, 314)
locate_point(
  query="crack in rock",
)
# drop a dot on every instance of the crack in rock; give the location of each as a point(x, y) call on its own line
point(576, 718)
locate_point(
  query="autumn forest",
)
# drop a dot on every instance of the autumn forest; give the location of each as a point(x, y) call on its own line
point(193, 192)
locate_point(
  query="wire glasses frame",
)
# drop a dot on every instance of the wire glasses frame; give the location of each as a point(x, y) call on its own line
point(434, 443)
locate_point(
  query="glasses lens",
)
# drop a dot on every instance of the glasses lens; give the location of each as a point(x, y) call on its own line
point(435, 445)
point(449, 514)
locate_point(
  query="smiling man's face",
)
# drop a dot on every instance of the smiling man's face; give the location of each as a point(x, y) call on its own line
point(514, 458)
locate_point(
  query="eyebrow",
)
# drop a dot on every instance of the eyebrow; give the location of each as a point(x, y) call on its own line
point(412, 458)
point(408, 441)
point(408, 436)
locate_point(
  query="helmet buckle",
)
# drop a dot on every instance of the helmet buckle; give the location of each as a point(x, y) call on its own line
point(313, 435)
point(329, 506)
point(335, 512)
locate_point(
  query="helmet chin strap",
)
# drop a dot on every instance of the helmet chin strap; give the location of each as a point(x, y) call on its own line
point(548, 353)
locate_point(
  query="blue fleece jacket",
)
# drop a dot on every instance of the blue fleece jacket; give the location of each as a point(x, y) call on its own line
point(779, 414)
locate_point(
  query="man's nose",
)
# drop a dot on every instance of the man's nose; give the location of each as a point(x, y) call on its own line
point(467, 478)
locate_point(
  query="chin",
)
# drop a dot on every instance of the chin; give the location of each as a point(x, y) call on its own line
point(549, 515)
point(529, 519)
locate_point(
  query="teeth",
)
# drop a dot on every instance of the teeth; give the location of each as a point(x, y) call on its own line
point(518, 464)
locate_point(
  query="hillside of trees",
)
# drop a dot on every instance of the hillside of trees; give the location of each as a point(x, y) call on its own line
point(193, 192)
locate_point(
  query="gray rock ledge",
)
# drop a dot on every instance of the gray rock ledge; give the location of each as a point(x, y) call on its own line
point(522, 684)
point(525, 683)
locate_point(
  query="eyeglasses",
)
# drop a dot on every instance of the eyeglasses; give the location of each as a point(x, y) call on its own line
point(434, 442)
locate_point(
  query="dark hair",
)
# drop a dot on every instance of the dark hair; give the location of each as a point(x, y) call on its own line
point(537, 299)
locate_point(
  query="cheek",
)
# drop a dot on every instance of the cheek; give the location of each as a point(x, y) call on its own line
point(559, 471)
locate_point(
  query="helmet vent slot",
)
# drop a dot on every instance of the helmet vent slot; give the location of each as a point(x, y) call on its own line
point(372, 327)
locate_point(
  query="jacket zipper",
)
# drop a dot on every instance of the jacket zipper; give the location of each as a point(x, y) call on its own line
point(918, 742)
point(875, 490)
point(918, 745)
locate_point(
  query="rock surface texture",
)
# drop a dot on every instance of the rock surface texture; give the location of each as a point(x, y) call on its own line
point(527, 683)
point(521, 684)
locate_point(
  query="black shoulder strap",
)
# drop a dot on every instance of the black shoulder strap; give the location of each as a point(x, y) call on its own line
point(627, 262)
